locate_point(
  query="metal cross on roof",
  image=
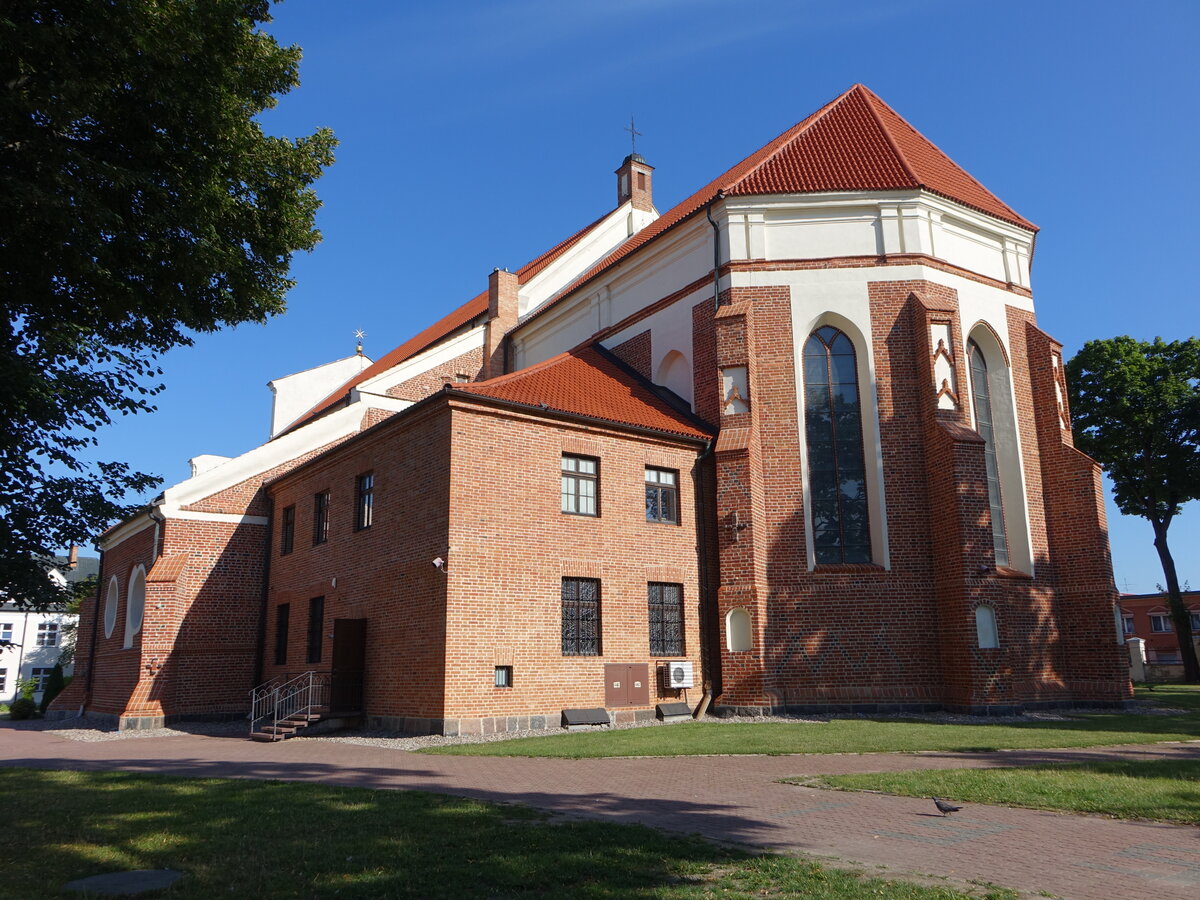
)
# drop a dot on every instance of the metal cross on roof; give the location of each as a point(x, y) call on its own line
point(359, 333)
point(633, 135)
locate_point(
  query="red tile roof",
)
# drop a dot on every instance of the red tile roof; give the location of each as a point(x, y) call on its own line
point(445, 326)
point(588, 382)
point(856, 142)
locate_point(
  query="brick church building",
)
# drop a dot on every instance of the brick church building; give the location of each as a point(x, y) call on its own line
point(801, 431)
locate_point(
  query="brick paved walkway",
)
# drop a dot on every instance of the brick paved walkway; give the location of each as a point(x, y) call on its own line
point(732, 799)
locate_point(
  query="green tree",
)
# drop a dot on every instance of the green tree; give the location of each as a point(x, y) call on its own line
point(1136, 410)
point(141, 203)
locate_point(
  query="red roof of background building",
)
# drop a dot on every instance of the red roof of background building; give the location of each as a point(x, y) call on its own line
point(587, 382)
point(856, 142)
point(444, 327)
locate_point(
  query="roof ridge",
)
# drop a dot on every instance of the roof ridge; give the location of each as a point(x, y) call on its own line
point(769, 150)
point(869, 98)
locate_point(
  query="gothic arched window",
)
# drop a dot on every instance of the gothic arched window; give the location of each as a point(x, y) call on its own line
point(837, 480)
point(981, 391)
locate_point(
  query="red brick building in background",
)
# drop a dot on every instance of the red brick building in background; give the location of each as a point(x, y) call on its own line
point(800, 431)
point(1148, 616)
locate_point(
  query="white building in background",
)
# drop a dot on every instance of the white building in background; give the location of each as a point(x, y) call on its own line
point(32, 642)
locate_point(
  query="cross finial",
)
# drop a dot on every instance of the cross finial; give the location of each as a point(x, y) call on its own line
point(359, 334)
point(633, 135)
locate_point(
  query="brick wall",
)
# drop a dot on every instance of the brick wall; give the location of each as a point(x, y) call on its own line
point(432, 380)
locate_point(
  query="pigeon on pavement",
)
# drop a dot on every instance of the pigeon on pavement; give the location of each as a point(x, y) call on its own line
point(943, 807)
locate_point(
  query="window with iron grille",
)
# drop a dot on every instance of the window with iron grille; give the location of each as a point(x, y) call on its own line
point(662, 495)
point(837, 475)
point(320, 517)
point(1160, 623)
point(580, 617)
point(666, 619)
point(504, 676)
point(364, 506)
point(39, 676)
point(287, 530)
point(316, 628)
point(283, 613)
point(47, 634)
point(580, 485)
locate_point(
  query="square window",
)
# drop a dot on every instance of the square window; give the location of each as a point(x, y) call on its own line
point(662, 495)
point(364, 505)
point(580, 485)
point(320, 518)
point(47, 634)
point(1160, 623)
point(580, 617)
point(504, 676)
point(287, 530)
point(665, 603)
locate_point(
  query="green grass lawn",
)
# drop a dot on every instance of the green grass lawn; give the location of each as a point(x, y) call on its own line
point(1165, 790)
point(235, 838)
point(863, 735)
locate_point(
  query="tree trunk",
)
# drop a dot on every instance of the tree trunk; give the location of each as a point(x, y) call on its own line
point(1179, 613)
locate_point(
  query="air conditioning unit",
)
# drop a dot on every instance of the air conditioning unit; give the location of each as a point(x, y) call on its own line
point(678, 674)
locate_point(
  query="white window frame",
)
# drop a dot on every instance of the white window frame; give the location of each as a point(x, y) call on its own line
point(111, 601)
point(1165, 619)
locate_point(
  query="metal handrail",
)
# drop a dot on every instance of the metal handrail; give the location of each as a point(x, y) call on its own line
point(282, 697)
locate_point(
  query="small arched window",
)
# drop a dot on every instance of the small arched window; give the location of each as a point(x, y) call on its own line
point(837, 479)
point(110, 606)
point(985, 424)
point(985, 627)
point(135, 605)
point(737, 631)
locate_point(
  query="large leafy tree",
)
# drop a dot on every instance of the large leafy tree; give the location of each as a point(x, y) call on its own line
point(1136, 410)
point(141, 203)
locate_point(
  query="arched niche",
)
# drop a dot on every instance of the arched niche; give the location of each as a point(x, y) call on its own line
point(983, 340)
point(675, 374)
point(986, 634)
point(738, 637)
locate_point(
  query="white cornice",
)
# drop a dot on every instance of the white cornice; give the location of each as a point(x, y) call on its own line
point(125, 530)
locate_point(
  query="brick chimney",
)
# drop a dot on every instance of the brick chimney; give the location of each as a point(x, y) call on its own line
point(634, 183)
point(73, 557)
point(502, 316)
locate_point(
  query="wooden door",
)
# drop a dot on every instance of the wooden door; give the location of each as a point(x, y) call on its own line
point(348, 665)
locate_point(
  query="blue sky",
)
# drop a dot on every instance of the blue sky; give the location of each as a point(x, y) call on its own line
point(477, 134)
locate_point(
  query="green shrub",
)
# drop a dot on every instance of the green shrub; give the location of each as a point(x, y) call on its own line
point(23, 708)
point(54, 687)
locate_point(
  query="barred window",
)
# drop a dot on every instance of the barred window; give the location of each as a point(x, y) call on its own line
point(662, 495)
point(365, 504)
point(837, 476)
point(580, 617)
point(580, 485)
point(320, 518)
point(47, 634)
point(287, 530)
point(316, 628)
point(665, 602)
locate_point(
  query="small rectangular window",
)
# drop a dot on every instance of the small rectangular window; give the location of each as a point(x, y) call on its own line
point(1160, 623)
point(1127, 624)
point(665, 602)
point(287, 530)
point(39, 676)
point(320, 517)
point(580, 485)
point(365, 504)
point(3, 680)
point(580, 617)
point(47, 634)
point(641, 181)
point(1195, 624)
point(662, 495)
point(316, 628)
point(283, 613)
point(503, 676)
point(6, 631)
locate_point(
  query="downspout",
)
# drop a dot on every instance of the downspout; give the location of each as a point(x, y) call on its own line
point(720, 195)
point(266, 595)
point(91, 669)
point(706, 604)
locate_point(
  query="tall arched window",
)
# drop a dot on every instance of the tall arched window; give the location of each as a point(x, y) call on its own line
point(837, 480)
point(110, 606)
point(985, 425)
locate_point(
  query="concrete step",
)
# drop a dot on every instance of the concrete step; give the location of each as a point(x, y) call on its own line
point(265, 737)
